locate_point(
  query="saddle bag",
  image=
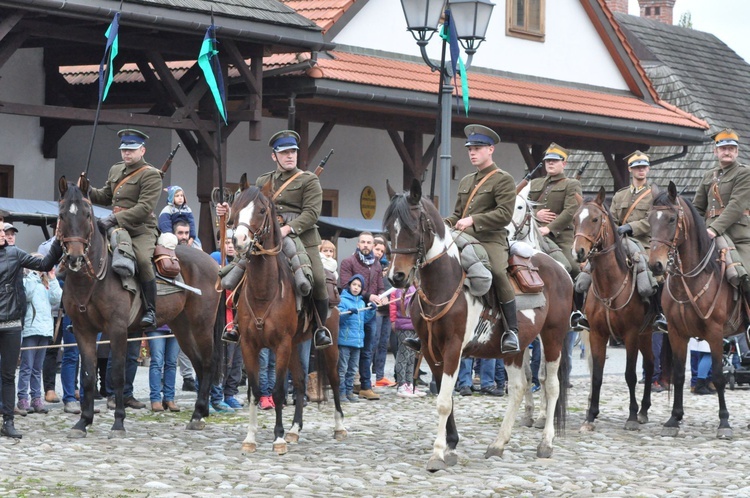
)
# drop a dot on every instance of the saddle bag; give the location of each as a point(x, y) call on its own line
point(166, 262)
point(525, 274)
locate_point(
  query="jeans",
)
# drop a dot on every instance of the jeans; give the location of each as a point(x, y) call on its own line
point(487, 373)
point(704, 365)
point(464, 372)
point(657, 339)
point(30, 373)
point(267, 371)
point(186, 368)
point(163, 366)
point(536, 360)
point(233, 365)
point(131, 367)
point(500, 375)
point(383, 336)
point(69, 367)
point(365, 355)
point(303, 349)
point(10, 346)
point(348, 359)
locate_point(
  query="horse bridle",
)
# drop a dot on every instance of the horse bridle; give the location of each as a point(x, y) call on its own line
point(256, 243)
point(423, 224)
point(86, 242)
point(598, 241)
point(526, 221)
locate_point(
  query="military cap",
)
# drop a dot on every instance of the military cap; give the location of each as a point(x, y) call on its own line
point(555, 152)
point(131, 138)
point(637, 159)
point(284, 140)
point(480, 135)
point(726, 137)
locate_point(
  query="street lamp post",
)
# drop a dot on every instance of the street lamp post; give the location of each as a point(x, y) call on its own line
point(471, 19)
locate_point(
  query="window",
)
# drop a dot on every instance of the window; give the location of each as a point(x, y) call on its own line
point(648, 11)
point(330, 202)
point(657, 11)
point(525, 19)
point(6, 181)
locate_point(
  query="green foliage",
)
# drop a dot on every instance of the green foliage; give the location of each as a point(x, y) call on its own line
point(686, 20)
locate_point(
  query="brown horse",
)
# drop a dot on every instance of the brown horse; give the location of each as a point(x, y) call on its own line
point(613, 307)
point(697, 299)
point(95, 300)
point(267, 317)
point(445, 316)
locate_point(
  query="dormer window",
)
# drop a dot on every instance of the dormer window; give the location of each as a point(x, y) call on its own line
point(525, 19)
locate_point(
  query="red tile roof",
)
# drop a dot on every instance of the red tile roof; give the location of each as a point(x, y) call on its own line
point(324, 13)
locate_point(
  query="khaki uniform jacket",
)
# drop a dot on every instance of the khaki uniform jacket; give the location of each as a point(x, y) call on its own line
point(558, 194)
point(299, 204)
point(638, 219)
point(734, 191)
point(491, 208)
point(138, 197)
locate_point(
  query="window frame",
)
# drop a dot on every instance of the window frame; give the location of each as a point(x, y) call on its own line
point(524, 32)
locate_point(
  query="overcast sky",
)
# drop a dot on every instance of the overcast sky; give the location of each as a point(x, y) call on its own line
point(727, 19)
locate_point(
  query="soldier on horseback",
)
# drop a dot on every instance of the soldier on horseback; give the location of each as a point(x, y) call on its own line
point(298, 198)
point(723, 197)
point(484, 208)
point(133, 188)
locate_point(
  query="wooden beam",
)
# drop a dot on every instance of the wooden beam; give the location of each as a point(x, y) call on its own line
point(402, 151)
point(251, 81)
point(9, 22)
point(617, 168)
point(10, 45)
point(526, 154)
point(414, 144)
point(429, 153)
point(320, 138)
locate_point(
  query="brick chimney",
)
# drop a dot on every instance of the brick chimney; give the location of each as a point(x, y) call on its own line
point(658, 10)
point(620, 6)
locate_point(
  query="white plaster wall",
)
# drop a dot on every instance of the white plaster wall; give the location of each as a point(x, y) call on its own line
point(21, 137)
point(572, 50)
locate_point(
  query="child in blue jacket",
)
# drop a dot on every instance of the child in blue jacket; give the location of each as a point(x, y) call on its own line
point(351, 333)
point(176, 210)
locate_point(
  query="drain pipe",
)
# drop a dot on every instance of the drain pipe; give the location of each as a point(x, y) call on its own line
point(672, 157)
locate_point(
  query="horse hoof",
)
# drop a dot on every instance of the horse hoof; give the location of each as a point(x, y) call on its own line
point(540, 423)
point(493, 451)
point(632, 425)
point(119, 434)
point(291, 437)
point(249, 448)
point(196, 425)
point(587, 427)
point(451, 458)
point(527, 422)
point(642, 418)
point(434, 464)
point(724, 433)
point(670, 431)
point(280, 448)
point(340, 435)
point(544, 451)
point(76, 434)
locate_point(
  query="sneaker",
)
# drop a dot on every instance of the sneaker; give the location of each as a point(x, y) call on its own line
point(384, 382)
point(492, 391)
point(536, 388)
point(403, 391)
point(416, 392)
point(352, 398)
point(72, 407)
point(266, 403)
point(656, 387)
point(234, 402)
point(222, 407)
point(37, 405)
point(23, 406)
point(465, 391)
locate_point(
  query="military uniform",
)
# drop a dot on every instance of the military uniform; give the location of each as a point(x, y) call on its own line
point(638, 218)
point(491, 209)
point(299, 204)
point(560, 195)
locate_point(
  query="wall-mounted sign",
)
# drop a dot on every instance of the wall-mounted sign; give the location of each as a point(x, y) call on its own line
point(367, 203)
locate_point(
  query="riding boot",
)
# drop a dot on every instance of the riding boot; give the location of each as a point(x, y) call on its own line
point(509, 342)
point(148, 320)
point(322, 337)
point(660, 323)
point(9, 430)
point(745, 287)
point(413, 343)
point(231, 334)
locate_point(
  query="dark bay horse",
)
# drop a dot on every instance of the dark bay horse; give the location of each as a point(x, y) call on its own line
point(267, 318)
point(445, 316)
point(697, 299)
point(613, 307)
point(96, 302)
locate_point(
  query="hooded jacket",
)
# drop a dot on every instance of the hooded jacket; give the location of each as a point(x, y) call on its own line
point(352, 325)
point(171, 214)
point(39, 303)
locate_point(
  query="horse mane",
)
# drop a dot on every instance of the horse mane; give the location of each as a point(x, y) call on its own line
point(701, 236)
point(620, 255)
point(400, 209)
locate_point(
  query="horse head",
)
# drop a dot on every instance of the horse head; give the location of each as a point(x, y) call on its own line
point(593, 227)
point(75, 222)
point(254, 219)
point(523, 226)
point(415, 230)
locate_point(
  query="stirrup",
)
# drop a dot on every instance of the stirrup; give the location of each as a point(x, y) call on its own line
point(325, 340)
point(413, 343)
point(230, 335)
point(506, 349)
point(148, 320)
point(661, 323)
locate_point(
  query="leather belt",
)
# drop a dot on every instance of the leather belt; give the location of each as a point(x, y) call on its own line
point(714, 212)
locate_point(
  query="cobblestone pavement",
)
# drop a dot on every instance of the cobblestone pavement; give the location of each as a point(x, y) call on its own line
point(385, 453)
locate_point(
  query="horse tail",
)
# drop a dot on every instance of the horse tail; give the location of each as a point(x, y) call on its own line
point(561, 408)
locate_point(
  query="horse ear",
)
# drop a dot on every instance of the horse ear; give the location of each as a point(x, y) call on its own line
point(601, 196)
point(83, 184)
point(672, 191)
point(266, 190)
point(62, 185)
point(391, 192)
point(244, 184)
point(655, 190)
point(415, 192)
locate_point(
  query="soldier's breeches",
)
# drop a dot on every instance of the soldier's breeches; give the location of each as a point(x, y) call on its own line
point(143, 247)
point(498, 255)
point(319, 275)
